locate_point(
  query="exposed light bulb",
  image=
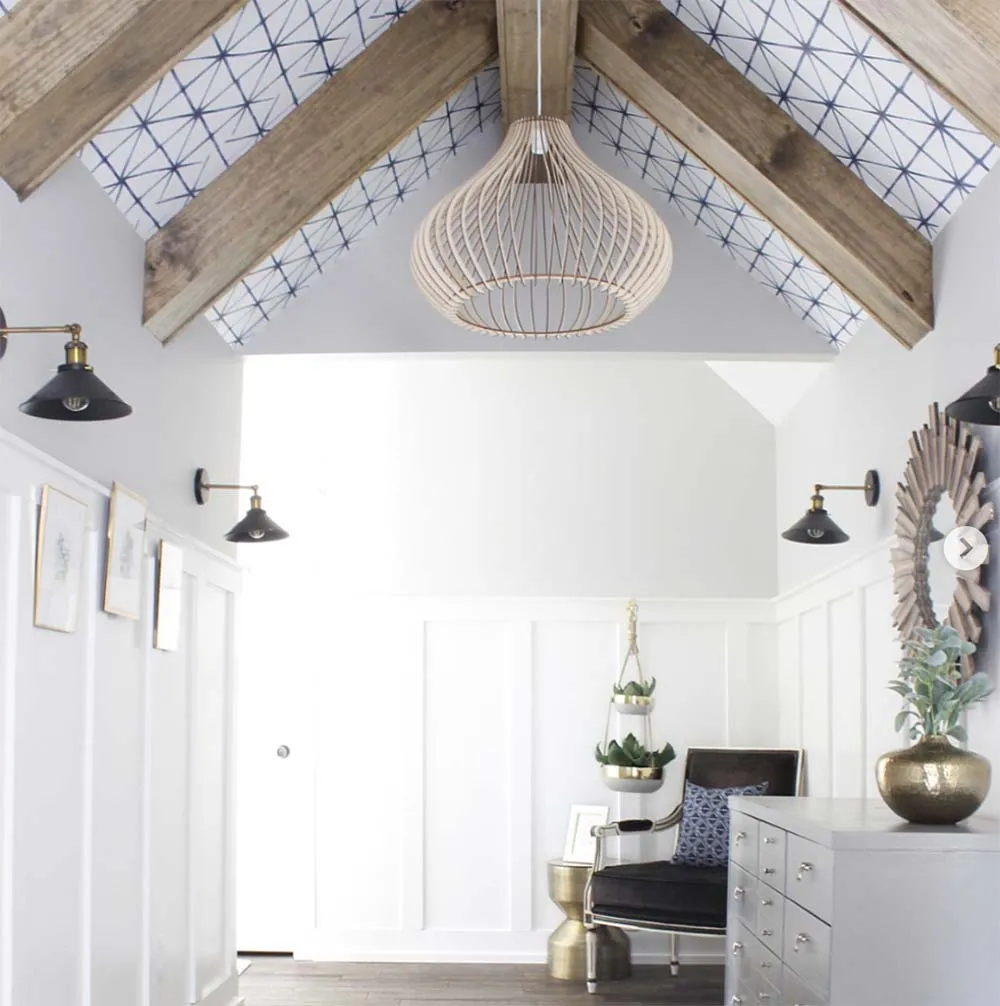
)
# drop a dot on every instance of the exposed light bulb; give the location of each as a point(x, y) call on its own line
point(256, 534)
point(815, 532)
point(76, 404)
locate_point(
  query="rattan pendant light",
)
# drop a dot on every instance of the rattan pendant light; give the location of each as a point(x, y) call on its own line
point(541, 242)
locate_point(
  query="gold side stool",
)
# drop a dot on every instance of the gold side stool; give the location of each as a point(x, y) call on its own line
point(567, 953)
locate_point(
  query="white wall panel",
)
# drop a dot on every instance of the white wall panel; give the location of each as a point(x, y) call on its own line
point(117, 847)
point(846, 624)
point(814, 669)
point(468, 781)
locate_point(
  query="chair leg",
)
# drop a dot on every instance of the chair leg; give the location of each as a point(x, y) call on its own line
point(675, 964)
point(591, 959)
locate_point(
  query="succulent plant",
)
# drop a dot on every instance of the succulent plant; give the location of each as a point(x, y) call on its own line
point(930, 683)
point(631, 754)
point(636, 688)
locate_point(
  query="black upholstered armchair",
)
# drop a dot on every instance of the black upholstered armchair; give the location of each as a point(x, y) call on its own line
point(674, 898)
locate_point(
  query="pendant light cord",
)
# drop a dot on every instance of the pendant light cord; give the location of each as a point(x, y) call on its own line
point(538, 56)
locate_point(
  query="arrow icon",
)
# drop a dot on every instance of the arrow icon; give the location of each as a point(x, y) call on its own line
point(968, 547)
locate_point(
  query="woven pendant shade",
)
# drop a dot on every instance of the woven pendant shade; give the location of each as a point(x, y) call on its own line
point(541, 242)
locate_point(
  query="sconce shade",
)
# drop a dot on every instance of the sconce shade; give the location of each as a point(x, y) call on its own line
point(816, 528)
point(256, 527)
point(981, 402)
point(76, 394)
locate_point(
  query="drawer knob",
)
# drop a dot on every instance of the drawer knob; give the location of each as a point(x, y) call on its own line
point(766, 902)
point(768, 870)
point(767, 932)
point(737, 949)
point(739, 837)
point(738, 893)
point(770, 841)
point(765, 964)
point(736, 1001)
point(804, 868)
point(800, 939)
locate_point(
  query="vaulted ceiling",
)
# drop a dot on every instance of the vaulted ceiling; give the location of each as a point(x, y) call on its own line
point(813, 59)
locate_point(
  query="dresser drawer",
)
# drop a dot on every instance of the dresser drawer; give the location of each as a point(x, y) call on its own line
point(809, 876)
point(742, 896)
point(743, 840)
point(807, 947)
point(738, 959)
point(760, 961)
point(770, 918)
point(771, 855)
point(795, 992)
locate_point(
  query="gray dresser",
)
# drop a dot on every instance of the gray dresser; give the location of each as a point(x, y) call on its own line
point(840, 903)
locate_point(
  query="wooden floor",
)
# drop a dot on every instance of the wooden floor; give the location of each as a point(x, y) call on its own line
point(284, 982)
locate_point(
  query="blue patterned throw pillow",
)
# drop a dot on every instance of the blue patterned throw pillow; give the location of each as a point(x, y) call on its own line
point(704, 836)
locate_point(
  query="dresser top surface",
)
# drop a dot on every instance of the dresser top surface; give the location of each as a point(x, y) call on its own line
point(866, 824)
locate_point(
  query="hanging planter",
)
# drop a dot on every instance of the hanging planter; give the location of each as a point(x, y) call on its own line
point(635, 698)
point(629, 768)
point(632, 766)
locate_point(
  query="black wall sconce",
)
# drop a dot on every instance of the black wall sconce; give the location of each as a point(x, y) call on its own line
point(256, 526)
point(76, 394)
point(981, 403)
point(817, 527)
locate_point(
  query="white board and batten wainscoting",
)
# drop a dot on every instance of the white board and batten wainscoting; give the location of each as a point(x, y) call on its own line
point(116, 811)
point(444, 743)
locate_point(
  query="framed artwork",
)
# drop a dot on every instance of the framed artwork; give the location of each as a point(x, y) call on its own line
point(126, 550)
point(580, 844)
point(169, 586)
point(62, 537)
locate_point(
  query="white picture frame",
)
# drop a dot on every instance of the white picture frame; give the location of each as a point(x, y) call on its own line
point(580, 845)
point(59, 549)
point(126, 553)
point(169, 596)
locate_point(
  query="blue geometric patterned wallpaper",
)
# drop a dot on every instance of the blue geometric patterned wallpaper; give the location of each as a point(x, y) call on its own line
point(812, 59)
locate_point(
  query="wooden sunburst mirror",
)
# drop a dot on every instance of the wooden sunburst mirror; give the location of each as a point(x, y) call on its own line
point(944, 461)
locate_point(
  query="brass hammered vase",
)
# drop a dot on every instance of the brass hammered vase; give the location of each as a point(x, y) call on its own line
point(933, 782)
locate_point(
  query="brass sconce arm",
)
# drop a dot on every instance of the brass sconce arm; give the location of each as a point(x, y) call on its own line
point(76, 350)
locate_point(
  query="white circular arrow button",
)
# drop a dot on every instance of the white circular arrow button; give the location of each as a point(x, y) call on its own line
point(966, 548)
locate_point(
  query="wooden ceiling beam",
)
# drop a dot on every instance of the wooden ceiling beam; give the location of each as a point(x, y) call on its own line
point(954, 44)
point(312, 155)
point(517, 28)
point(67, 67)
point(749, 142)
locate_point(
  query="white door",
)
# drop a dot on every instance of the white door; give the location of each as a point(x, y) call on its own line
point(274, 770)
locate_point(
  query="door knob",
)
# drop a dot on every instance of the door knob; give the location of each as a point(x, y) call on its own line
point(284, 751)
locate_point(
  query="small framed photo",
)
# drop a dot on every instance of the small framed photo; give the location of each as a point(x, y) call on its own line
point(169, 596)
point(126, 551)
point(580, 844)
point(62, 537)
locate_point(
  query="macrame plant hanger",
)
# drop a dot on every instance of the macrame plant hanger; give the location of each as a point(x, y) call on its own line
point(634, 701)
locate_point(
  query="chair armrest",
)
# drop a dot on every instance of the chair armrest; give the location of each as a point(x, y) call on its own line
point(640, 825)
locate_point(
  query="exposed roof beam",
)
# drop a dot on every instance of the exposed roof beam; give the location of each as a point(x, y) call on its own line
point(694, 94)
point(955, 44)
point(312, 155)
point(69, 66)
point(517, 26)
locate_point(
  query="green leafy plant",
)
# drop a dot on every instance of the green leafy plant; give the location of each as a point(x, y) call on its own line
point(634, 688)
point(631, 754)
point(930, 683)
